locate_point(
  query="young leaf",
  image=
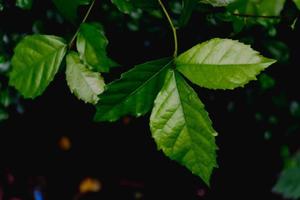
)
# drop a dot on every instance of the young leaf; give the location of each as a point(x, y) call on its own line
point(85, 84)
point(221, 64)
point(91, 45)
point(134, 92)
point(181, 127)
point(297, 2)
point(127, 6)
point(24, 4)
point(35, 62)
point(217, 3)
point(68, 8)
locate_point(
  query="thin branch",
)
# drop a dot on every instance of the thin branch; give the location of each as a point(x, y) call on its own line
point(172, 27)
point(83, 20)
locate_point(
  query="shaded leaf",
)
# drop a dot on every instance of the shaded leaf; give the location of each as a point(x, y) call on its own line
point(217, 3)
point(134, 93)
point(24, 4)
point(68, 8)
point(181, 127)
point(85, 84)
point(35, 62)
point(188, 8)
point(255, 8)
point(297, 2)
point(128, 6)
point(221, 64)
point(91, 45)
point(289, 183)
point(3, 115)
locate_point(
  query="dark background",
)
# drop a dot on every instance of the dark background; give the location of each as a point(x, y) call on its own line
point(122, 155)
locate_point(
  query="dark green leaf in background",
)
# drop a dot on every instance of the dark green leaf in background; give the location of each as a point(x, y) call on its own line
point(68, 8)
point(288, 183)
point(128, 6)
point(297, 2)
point(188, 7)
point(255, 8)
point(24, 4)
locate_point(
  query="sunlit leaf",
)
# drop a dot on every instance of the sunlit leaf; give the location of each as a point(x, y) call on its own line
point(35, 62)
point(84, 83)
point(221, 64)
point(181, 127)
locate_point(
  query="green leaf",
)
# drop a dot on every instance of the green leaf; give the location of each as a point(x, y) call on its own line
point(297, 2)
point(181, 127)
point(3, 115)
point(68, 8)
point(289, 184)
point(85, 84)
point(217, 3)
point(255, 8)
point(35, 62)
point(134, 92)
point(91, 45)
point(221, 64)
point(24, 4)
point(127, 6)
point(188, 8)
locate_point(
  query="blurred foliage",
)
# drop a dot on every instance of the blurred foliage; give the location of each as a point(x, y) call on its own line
point(288, 183)
point(245, 17)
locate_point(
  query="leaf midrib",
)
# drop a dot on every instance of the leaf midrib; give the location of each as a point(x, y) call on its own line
point(138, 88)
point(185, 125)
point(42, 59)
point(85, 80)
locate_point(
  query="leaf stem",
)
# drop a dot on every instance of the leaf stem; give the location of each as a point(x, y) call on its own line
point(83, 20)
point(256, 16)
point(172, 27)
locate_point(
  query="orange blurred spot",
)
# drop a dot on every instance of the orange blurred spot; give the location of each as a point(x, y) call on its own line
point(64, 143)
point(90, 185)
point(126, 120)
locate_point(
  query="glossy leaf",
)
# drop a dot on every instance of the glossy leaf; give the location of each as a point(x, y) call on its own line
point(181, 127)
point(85, 84)
point(91, 45)
point(134, 93)
point(221, 64)
point(217, 3)
point(297, 2)
point(35, 62)
point(24, 4)
point(128, 6)
point(68, 8)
